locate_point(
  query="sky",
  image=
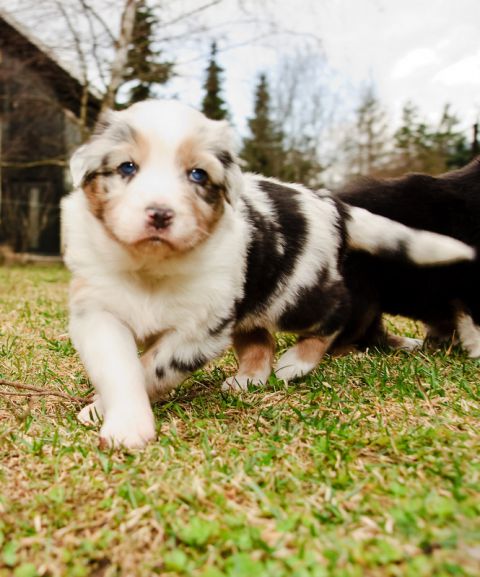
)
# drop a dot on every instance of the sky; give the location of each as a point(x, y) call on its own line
point(425, 51)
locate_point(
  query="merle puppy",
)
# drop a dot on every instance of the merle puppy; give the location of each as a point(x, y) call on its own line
point(177, 252)
point(445, 298)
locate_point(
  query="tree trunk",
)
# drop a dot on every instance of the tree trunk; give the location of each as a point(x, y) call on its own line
point(121, 53)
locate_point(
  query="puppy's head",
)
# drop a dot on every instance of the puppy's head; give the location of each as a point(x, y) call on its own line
point(158, 175)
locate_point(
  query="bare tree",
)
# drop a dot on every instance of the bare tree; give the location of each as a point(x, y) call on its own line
point(93, 38)
point(304, 108)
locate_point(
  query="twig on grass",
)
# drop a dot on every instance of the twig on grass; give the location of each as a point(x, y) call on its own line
point(39, 392)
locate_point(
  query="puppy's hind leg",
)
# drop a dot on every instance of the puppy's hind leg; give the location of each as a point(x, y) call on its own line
point(379, 336)
point(441, 333)
point(302, 357)
point(255, 350)
point(400, 343)
point(468, 334)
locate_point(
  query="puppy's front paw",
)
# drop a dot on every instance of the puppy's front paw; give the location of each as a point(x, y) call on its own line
point(131, 429)
point(91, 414)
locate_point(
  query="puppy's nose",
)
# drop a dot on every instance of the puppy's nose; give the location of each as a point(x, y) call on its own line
point(160, 216)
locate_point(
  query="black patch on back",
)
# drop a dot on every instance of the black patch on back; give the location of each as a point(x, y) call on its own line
point(267, 268)
point(340, 223)
point(449, 205)
point(188, 366)
point(320, 309)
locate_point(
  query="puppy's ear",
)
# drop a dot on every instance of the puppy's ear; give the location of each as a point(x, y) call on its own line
point(225, 140)
point(226, 151)
point(85, 158)
point(78, 165)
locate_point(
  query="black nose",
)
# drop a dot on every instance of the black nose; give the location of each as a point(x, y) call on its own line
point(160, 216)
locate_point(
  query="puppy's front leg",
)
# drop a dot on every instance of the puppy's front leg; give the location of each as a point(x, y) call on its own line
point(109, 353)
point(174, 356)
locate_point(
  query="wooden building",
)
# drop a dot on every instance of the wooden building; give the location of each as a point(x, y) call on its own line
point(41, 103)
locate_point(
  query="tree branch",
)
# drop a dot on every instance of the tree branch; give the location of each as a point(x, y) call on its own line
point(121, 53)
point(37, 392)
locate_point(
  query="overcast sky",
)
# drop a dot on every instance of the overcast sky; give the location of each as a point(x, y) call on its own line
point(426, 51)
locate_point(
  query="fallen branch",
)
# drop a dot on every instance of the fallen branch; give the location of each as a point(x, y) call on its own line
point(40, 392)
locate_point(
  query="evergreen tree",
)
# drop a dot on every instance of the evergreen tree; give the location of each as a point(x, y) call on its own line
point(263, 151)
point(422, 148)
point(213, 105)
point(449, 143)
point(412, 142)
point(144, 63)
point(368, 142)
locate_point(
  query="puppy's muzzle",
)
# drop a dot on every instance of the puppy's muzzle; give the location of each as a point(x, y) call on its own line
point(160, 217)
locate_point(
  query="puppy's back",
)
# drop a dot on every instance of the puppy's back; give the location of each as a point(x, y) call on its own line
point(448, 204)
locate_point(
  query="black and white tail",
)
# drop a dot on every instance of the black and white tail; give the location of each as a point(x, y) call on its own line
point(381, 236)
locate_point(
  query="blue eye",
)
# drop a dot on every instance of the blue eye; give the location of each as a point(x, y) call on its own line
point(198, 176)
point(127, 168)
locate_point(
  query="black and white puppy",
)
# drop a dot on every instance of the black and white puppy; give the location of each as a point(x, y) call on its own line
point(445, 298)
point(174, 250)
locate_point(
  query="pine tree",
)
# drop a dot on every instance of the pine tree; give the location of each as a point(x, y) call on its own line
point(213, 105)
point(422, 148)
point(263, 151)
point(370, 139)
point(412, 142)
point(449, 143)
point(144, 63)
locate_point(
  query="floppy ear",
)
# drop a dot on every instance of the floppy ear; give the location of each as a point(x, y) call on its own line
point(78, 165)
point(227, 145)
point(84, 159)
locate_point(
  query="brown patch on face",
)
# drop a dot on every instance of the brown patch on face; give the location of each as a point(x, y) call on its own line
point(120, 143)
point(206, 201)
point(311, 349)
point(95, 191)
point(206, 216)
point(188, 153)
point(192, 153)
point(254, 351)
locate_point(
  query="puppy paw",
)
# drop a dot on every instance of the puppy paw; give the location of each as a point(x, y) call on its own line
point(473, 351)
point(409, 344)
point(91, 414)
point(129, 429)
point(238, 383)
point(289, 366)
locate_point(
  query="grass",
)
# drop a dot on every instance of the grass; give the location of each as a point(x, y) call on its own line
point(370, 467)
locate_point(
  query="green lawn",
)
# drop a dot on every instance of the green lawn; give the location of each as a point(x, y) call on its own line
point(370, 467)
